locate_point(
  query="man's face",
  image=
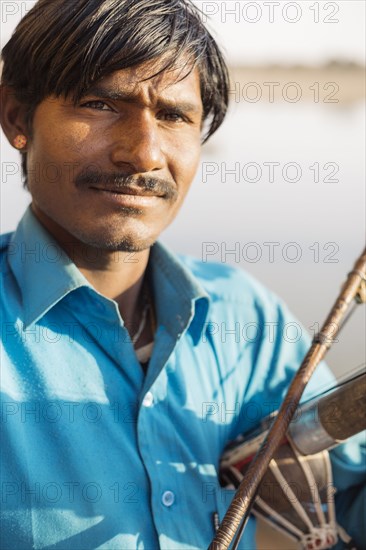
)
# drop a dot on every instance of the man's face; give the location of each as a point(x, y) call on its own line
point(113, 171)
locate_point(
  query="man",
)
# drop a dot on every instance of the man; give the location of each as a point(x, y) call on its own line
point(119, 393)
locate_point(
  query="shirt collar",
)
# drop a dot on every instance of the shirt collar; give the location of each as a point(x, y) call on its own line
point(44, 272)
point(45, 275)
point(180, 300)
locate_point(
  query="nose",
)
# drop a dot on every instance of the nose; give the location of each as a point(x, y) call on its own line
point(138, 146)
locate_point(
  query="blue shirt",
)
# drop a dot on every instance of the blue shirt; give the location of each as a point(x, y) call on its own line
point(97, 455)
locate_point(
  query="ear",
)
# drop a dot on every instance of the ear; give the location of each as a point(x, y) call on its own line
point(12, 114)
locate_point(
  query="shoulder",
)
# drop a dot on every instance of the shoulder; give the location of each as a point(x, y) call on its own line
point(5, 240)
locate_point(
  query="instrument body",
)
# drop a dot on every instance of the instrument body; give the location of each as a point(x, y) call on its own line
point(296, 495)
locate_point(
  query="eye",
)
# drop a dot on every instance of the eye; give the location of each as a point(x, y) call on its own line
point(98, 105)
point(173, 116)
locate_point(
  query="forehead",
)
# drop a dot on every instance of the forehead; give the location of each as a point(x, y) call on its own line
point(178, 84)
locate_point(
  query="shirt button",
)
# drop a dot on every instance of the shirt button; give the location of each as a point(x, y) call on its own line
point(168, 498)
point(148, 399)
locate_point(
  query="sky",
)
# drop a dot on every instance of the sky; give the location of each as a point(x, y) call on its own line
point(282, 32)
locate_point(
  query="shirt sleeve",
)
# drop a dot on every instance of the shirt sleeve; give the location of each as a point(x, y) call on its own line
point(349, 474)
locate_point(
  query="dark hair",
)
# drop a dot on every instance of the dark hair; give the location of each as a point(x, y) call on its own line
point(62, 48)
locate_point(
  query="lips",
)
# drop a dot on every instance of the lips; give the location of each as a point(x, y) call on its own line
point(128, 191)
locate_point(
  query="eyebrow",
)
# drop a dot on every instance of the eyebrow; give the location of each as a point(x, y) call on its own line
point(106, 93)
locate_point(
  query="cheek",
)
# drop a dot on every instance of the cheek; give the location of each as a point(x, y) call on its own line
point(66, 142)
point(186, 162)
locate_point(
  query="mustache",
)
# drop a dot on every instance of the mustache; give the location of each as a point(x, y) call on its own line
point(161, 187)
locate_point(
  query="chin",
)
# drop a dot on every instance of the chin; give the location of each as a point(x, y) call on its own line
point(125, 243)
point(114, 235)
